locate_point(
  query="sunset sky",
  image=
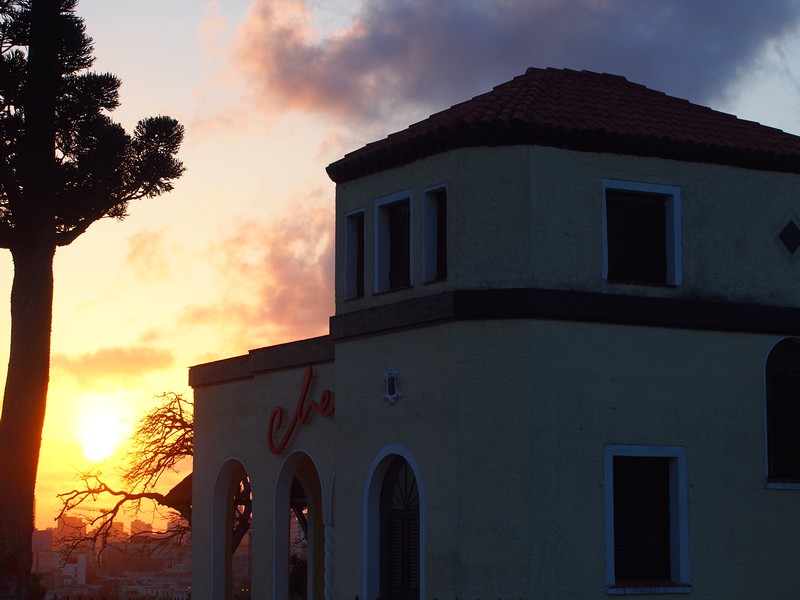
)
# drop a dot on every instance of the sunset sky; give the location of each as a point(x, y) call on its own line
point(240, 254)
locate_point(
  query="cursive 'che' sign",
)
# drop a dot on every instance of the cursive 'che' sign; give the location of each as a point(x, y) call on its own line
point(302, 412)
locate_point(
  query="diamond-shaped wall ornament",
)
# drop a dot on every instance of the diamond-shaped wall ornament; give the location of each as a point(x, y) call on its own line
point(790, 236)
point(787, 235)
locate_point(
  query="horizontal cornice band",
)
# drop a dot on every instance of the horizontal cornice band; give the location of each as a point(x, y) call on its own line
point(526, 303)
point(570, 305)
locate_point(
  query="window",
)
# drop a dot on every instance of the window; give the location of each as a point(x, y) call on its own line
point(393, 527)
point(783, 414)
point(354, 255)
point(435, 235)
point(400, 533)
point(641, 233)
point(647, 545)
point(393, 242)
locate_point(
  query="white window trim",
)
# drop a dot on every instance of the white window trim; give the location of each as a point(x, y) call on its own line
point(350, 248)
point(679, 517)
point(430, 232)
point(673, 223)
point(381, 239)
point(370, 525)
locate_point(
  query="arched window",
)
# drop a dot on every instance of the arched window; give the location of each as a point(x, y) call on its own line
point(399, 533)
point(783, 412)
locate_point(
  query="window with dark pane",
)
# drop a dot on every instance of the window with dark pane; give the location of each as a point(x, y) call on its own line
point(636, 236)
point(641, 519)
point(783, 411)
point(435, 233)
point(354, 251)
point(399, 221)
point(400, 535)
point(441, 234)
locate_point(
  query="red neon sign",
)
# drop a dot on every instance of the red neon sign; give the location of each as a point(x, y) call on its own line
point(302, 412)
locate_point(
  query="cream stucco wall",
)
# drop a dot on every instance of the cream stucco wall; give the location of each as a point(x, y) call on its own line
point(528, 216)
point(508, 422)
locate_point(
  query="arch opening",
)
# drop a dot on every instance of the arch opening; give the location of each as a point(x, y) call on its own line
point(782, 380)
point(232, 524)
point(299, 531)
point(394, 527)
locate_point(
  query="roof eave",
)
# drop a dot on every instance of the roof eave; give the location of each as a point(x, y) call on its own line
point(368, 161)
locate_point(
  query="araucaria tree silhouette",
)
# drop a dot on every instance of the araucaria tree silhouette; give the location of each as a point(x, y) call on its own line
point(64, 164)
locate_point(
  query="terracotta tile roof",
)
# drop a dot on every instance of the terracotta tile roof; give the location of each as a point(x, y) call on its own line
point(585, 111)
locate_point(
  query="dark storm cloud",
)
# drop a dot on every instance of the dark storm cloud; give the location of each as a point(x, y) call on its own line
point(433, 54)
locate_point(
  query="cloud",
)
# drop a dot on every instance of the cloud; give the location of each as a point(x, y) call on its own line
point(212, 30)
point(148, 255)
point(396, 53)
point(119, 363)
point(276, 280)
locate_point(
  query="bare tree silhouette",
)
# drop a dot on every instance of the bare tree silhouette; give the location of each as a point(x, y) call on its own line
point(162, 442)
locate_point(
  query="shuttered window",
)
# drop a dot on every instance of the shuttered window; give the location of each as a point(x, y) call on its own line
point(441, 235)
point(393, 242)
point(647, 519)
point(399, 245)
point(783, 411)
point(400, 533)
point(636, 236)
point(354, 256)
point(435, 234)
point(641, 519)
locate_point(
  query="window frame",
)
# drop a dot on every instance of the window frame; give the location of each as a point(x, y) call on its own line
point(773, 482)
point(431, 228)
point(382, 246)
point(679, 518)
point(370, 524)
point(672, 223)
point(352, 273)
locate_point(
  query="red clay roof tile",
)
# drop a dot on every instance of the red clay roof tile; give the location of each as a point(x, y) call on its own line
point(585, 111)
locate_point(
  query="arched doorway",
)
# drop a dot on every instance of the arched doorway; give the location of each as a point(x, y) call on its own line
point(232, 523)
point(394, 527)
point(299, 531)
point(399, 533)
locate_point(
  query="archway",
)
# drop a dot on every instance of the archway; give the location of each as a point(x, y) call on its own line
point(299, 531)
point(231, 524)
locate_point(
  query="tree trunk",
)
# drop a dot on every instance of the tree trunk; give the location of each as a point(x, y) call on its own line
point(23, 410)
point(33, 248)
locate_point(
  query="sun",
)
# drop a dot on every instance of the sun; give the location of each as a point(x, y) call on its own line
point(99, 436)
point(101, 427)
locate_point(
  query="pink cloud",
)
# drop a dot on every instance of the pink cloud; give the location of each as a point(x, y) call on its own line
point(118, 363)
point(276, 280)
point(149, 253)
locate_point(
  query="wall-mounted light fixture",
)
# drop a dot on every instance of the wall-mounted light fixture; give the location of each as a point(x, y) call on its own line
point(392, 380)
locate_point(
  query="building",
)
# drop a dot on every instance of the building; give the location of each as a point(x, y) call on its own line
point(562, 364)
